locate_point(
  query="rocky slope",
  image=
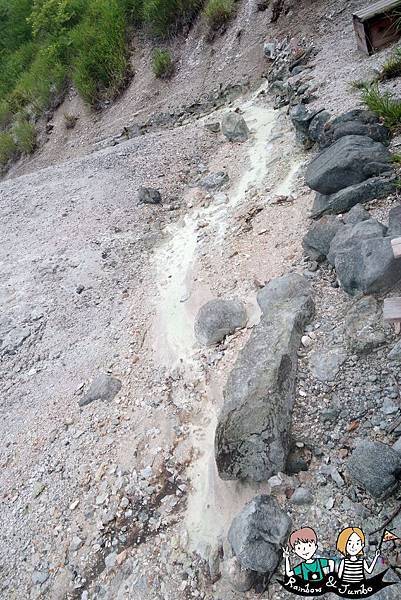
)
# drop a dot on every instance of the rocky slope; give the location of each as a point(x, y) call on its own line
point(111, 397)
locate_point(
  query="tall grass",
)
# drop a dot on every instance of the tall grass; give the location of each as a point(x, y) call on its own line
point(165, 16)
point(100, 62)
point(392, 67)
point(24, 135)
point(384, 104)
point(217, 12)
point(7, 148)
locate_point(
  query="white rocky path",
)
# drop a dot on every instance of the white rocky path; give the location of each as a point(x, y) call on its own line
point(81, 299)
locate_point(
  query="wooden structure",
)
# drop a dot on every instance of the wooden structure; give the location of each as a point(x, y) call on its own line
point(377, 25)
point(396, 245)
point(392, 312)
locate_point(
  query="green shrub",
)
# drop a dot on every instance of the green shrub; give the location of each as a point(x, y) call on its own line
point(217, 12)
point(14, 27)
point(383, 104)
point(392, 67)
point(24, 135)
point(49, 18)
point(43, 81)
point(164, 16)
point(100, 63)
point(7, 148)
point(162, 63)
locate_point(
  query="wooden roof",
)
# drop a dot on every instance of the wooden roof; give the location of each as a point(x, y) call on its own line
point(377, 8)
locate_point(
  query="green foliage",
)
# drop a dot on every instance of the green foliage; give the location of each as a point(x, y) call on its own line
point(40, 83)
point(52, 17)
point(134, 11)
point(5, 114)
point(392, 67)
point(164, 16)
point(162, 63)
point(24, 135)
point(100, 63)
point(14, 27)
point(396, 158)
point(217, 12)
point(7, 148)
point(383, 104)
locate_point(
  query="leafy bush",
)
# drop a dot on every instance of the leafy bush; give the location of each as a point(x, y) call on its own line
point(7, 148)
point(163, 16)
point(392, 67)
point(24, 135)
point(162, 63)
point(383, 104)
point(100, 63)
point(217, 12)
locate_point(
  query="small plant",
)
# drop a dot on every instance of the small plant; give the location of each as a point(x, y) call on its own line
point(383, 104)
point(162, 63)
point(392, 67)
point(70, 120)
point(396, 158)
point(359, 84)
point(217, 12)
point(7, 148)
point(25, 136)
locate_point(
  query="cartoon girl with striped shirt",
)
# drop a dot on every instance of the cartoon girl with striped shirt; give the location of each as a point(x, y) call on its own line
point(353, 566)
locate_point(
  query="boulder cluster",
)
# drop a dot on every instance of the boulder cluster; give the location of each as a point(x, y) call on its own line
point(359, 247)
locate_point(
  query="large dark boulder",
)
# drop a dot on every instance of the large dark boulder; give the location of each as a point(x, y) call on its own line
point(376, 467)
point(368, 266)
point(252, 435)
point(258, 533)
point(354, 122)
point(316, 242)
point(349, 235)
point(343, 200)
point(350, 160)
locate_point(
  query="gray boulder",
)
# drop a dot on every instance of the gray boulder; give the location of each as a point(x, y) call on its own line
point(355, 122)
point(218, 318)
point(376, 467)
point(316, 242)
point(325, 363)
point(103, 387)
point(258, 533)
point(394, 222)
point(234, 127)
point(149, 196)
point(214, 181)
point(349, 235)
point(350, 160)
point(357, 214)
point(239, 578)
point(363, 326)
point(317, 126)
point(367, 266)
point(343, 200)
point(252, 435)
point(301, 118)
